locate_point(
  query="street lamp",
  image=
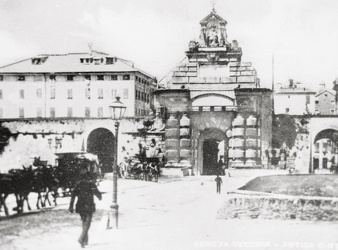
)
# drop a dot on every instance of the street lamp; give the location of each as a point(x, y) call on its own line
point(117, 110)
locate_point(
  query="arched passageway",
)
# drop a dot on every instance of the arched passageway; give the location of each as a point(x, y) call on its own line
point(212, 144)
point(101, 142)
point(325, 149)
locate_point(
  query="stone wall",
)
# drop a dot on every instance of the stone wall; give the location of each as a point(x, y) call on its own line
point(279, 207)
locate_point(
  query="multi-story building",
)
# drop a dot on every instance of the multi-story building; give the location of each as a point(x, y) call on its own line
point(294, 100)
point(325, 102)
point(73, 85)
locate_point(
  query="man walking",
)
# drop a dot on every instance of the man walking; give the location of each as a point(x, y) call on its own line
point(85, 190)
point(219, 182)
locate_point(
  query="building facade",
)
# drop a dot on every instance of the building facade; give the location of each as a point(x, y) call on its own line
point(294, 100)
point(325, 102)
point(214, 106)
point(73, 85)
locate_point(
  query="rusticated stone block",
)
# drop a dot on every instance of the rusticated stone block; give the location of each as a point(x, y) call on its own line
point(192, 74)
point(242, 68)
point(184, 132)
point(234, 64)
point(185, 154)
point(233, 69)
point(191, 65)
point(184, 69)
point(246, 79)
point(172, 143)
point(185, 143)
point(179, 80)
point(248, 73)
point(172, 133)
point(193, 69)
point(228, 79)
point(179, 74)
point(246, 64)
point(172, 154)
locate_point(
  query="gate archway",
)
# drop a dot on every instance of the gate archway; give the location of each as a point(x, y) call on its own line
point(325, 149)
point(101, 142)
point(212, 144)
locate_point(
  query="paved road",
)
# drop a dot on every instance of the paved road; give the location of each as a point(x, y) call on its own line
point(181, 214)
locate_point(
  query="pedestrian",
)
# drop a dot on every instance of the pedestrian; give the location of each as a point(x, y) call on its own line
point(219, 182)
point(85, 190)
point(221, 166)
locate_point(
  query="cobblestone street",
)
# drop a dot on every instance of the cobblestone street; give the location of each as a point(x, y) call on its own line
point(178, 214)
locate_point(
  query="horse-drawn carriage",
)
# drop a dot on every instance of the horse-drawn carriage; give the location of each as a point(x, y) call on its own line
point(72, 165)
point(147, 169)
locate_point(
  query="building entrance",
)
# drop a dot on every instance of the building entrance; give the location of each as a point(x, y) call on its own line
point(210, 157)
point(211, 146)
point(101, 142)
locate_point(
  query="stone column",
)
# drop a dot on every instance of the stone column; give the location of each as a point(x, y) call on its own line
point(172, 135)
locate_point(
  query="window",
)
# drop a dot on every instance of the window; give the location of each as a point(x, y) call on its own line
point(39, 112)
point(307, 99)
point(113, 93)
point(38, 93)
point(21, 78)
point(148, 99)
point(88, 77)
point(21, 112)
point(136, 78)
point(52, 112)
point(332, 111)
point(100, 112)
point(316, 102)
point(114, 77)
point(52, 93)
point(22, 94)
point(288, 96)
point(110, 60)
point(69, 93)
point(100, 93)
point(125, 94)
point(287, 110)
point(87, 93)
point(100, 77)
point(136, 95)
point(332, 101)
point(70, 78)
point(52, 77)
point(87, 112)
point(0, 93)
point(1, 77)
point(126, 77)
point(70, 112)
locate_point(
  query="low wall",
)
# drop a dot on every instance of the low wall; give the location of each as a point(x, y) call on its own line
point(265, 206)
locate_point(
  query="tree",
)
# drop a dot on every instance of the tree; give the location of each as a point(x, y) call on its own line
point(284, 130)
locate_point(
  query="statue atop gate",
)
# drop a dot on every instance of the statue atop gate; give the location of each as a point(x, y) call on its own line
point(213, 31)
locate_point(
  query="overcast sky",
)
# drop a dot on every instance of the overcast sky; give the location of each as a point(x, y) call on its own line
point(302, 34)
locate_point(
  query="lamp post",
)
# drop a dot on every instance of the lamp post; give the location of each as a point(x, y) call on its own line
point(117, 110)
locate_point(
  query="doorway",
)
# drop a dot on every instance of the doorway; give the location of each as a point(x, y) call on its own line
point(212, 145)
point(101, 142)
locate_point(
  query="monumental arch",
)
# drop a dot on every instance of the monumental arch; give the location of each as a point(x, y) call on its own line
point(214, 105)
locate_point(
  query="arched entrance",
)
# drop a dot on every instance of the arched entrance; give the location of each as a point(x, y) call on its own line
point(325, 149)
point(212, 144)
point(101, 142)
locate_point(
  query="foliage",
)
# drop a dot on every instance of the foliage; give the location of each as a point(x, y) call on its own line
point(284, 130)
point(5, 134)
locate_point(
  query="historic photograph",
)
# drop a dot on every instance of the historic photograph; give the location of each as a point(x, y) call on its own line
point(181, 124)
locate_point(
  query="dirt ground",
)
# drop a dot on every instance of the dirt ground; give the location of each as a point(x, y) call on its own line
point(176, 214)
